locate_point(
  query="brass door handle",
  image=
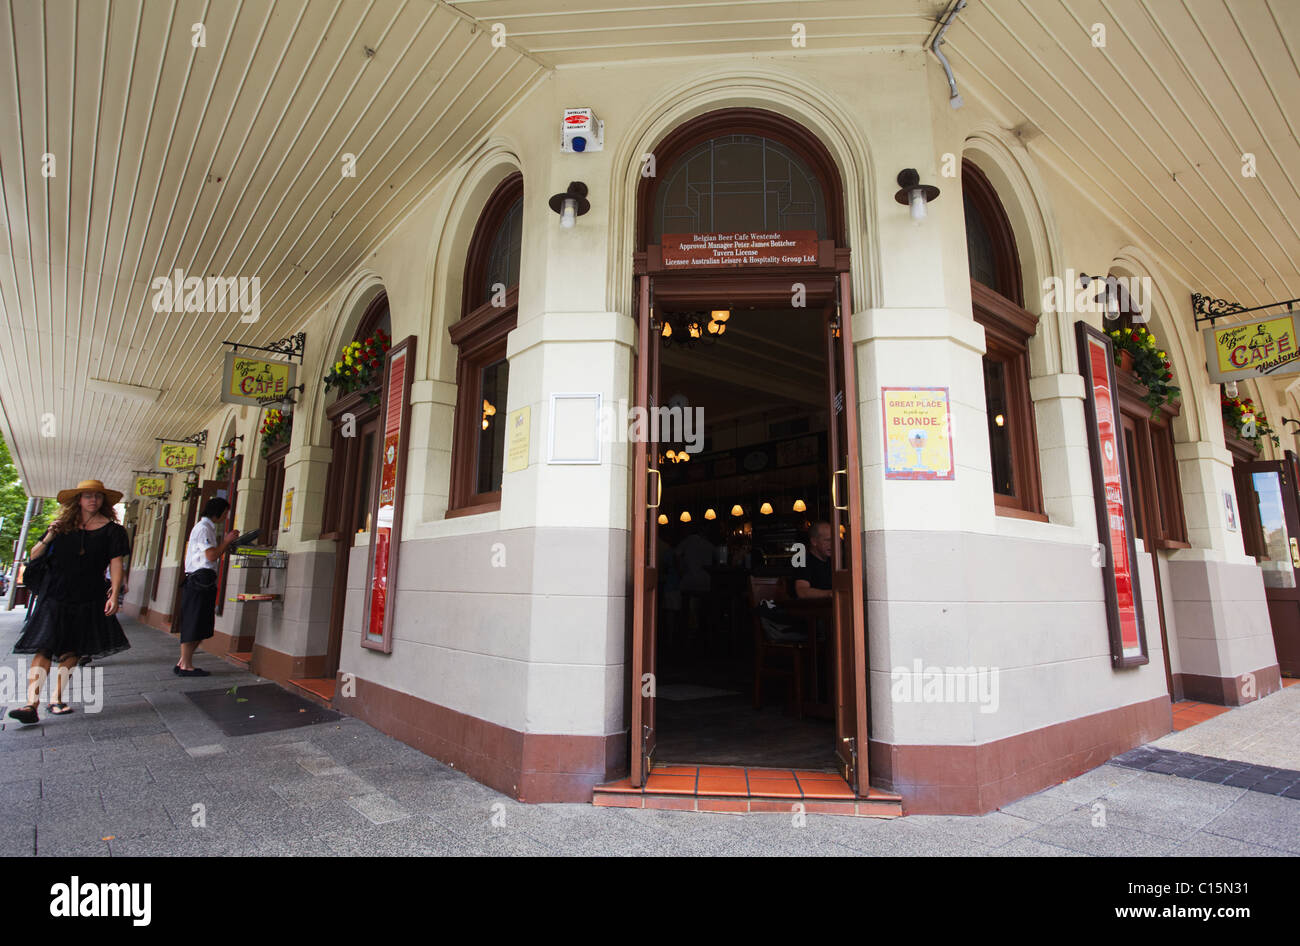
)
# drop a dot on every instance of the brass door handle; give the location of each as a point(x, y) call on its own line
point(659, 492)
point(835, 501)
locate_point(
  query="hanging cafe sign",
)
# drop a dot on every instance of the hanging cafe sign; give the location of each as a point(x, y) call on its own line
point(1246, 350)
point(707, 250)
point(256, 379)
point(178, 456)
point(150, 487)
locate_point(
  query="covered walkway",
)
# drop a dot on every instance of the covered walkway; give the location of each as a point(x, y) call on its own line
point(126, 781)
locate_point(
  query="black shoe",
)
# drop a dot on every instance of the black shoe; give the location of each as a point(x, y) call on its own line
point(176, 669)
point(25, 714)
point(196, 672)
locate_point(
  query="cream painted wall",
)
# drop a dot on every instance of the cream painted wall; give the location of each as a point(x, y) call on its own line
point(877, 112)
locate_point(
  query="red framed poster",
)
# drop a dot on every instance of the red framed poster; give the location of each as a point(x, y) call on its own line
point(1110, 479)
point(386, 517)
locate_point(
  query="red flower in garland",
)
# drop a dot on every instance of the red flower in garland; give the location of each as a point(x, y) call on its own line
point(1168, 377)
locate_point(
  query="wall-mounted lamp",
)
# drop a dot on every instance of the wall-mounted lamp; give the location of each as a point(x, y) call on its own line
point(571, 204)
point(913, 193)
point(1230, 388)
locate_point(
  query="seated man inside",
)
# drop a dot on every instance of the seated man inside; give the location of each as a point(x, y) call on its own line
point(816, 582)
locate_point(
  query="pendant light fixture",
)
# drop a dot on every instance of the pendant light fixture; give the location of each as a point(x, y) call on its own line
point(686, 516)
point(766, 509)
point(710, 514)
point(663, 519)
point(799, 506)
point(737, 510)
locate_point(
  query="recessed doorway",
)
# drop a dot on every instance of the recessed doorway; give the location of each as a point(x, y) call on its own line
point(745, 658)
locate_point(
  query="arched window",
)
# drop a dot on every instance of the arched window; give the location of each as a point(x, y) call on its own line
point(740, 170)
point(489, 312)
point(739, 183)
point(998, 305)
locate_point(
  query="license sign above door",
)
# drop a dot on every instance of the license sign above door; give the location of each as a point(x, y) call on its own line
point(707, 250)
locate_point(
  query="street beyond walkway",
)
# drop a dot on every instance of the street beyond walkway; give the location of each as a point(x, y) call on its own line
point(152, 774)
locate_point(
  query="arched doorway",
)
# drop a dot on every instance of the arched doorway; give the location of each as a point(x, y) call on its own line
point(748, 623)
point(351, 487)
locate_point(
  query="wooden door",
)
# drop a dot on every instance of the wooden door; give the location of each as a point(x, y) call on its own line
point(1266, 493)
point(230, 493)
point(160, 539)
point(647, 488)
point(191, 517)
point(357, 456)
point(846, 536)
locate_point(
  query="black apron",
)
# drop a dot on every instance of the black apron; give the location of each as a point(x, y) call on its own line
point(198, 605)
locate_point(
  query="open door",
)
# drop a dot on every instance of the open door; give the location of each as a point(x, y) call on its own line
point(846, 537)
point(1270, 517)
point(647, 492)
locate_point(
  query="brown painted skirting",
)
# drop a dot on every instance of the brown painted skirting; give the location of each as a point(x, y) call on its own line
point(1227, 691)
point(974, 780)
point(532, 767)
point(282, 667)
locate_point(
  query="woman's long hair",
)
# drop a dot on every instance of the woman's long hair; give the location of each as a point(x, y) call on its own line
point(69, 518)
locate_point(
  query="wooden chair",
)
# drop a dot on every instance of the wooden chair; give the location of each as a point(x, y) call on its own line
point(774, 589)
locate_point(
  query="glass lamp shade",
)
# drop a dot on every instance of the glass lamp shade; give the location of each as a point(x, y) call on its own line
point(569, 215)
point(799, 506)
point(663, 519)
point(766, 509)
point(686, 516)
point(710, 514)
point(736, 510)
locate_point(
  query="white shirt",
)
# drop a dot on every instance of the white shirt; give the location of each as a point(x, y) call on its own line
point(202, 537)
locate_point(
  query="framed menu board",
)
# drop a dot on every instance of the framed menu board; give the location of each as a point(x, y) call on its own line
point(385, 533)
point(1117, 558)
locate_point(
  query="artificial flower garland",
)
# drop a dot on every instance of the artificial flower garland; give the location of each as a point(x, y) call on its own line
point(1150, 365)
point(275, 430)
point(1235, 411)
point(359, 365)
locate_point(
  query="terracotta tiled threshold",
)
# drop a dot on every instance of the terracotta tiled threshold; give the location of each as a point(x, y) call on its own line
point(317, 689)
point(741, 790)
point(1187, 713)
point(1289, 681)
point(243, 658)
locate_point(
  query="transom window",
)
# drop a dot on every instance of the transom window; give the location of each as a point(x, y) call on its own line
point(739, 183)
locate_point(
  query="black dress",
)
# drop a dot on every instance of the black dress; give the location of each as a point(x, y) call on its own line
point(68, 617)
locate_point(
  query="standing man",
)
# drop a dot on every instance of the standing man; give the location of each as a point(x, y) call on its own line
point(199, 590)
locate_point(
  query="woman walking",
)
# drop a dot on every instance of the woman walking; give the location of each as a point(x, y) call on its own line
point(199, 590)
point(71, 618)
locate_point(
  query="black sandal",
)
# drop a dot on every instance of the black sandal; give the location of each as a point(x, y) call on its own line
point(25, 714)
point(60, 709)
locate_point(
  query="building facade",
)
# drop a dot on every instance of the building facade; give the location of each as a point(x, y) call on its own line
point(519, 628)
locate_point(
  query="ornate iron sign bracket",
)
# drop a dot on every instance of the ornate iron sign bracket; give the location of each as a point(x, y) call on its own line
point(292, 346)
point(1207, 308)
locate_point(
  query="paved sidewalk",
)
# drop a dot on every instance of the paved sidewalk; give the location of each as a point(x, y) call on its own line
point(133, 779)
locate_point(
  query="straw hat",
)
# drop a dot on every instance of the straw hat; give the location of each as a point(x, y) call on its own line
point(111, 496)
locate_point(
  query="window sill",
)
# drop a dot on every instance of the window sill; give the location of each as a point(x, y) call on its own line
point(1171, 544)
point(1013, 512)
point(493, 506)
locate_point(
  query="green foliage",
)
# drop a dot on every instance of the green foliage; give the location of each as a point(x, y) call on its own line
point(13, 505)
